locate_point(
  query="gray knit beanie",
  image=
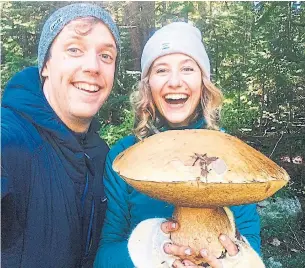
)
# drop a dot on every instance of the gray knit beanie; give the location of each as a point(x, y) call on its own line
point(177, 37)
point(57, 21)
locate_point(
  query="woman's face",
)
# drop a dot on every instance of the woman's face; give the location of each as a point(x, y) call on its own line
point(176, 85)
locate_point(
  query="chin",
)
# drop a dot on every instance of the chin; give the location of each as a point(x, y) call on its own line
point(177, 122)
point(178, 119)
point(85, 115)
point(86, 111)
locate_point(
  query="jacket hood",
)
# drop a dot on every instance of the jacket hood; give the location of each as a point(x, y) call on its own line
point(24, 95)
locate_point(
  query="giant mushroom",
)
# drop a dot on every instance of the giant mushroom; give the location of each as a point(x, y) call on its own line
point(201, 172)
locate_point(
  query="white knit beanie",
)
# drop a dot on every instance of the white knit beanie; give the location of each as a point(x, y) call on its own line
point(177, 37)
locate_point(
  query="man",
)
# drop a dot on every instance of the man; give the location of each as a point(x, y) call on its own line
point(53, 201)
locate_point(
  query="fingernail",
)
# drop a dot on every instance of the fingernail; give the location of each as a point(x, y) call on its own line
point(222, 238)
point(167, 248)
point(188, 252)
point(204, 252)
point(173, 225)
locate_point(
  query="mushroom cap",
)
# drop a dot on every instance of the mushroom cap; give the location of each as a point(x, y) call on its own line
point(199, 168)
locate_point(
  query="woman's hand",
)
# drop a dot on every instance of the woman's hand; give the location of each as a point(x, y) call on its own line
point(228, 244)
point(239, 253)
point(183, 252)
point(179, 251)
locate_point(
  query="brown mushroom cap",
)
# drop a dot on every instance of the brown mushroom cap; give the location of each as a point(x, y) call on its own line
point(199, 168)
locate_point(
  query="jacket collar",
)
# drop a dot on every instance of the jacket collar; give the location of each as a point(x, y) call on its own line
point(197, 124)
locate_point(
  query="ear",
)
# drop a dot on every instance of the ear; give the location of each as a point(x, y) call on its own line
point(45, 70)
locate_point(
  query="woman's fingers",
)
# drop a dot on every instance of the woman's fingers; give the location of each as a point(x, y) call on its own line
point(228, 244)
point(178, 251)
point(169, 226)
point(185, 263)
point(184, 252)
point(177, 264)
point(189, 264)
point(210, 259)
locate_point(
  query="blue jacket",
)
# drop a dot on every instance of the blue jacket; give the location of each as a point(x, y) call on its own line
point(53, 200)
point(127, 207)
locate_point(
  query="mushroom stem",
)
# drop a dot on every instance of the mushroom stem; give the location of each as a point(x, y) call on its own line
point(200, 228)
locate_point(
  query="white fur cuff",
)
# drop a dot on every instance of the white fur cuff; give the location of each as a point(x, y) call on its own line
point(145, 245)
point(246, 257)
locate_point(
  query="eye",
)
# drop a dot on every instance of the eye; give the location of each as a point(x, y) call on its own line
point(73, 51)
point(106, 57)
point(188, 69)
point(161, 70)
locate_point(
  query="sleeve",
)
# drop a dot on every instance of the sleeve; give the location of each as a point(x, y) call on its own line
point(248, 224)
point(15, 163)
point(146, 245)
point(113, 251)
point(5, 189)
point(246, 257)
point(119, 245)
point(16, 166)
point(5, 180)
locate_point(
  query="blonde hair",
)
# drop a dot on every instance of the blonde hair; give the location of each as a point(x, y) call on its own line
point(147, 117)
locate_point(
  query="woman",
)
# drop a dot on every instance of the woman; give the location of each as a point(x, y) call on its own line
point(175, 92)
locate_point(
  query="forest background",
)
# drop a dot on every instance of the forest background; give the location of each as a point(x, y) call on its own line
point(257, 53)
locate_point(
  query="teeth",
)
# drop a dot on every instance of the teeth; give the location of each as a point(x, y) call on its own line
point(87, 87)
point(175, 96)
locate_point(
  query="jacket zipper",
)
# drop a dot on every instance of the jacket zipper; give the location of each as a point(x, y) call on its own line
point(89, 231)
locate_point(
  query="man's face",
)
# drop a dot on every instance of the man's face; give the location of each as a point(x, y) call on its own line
point(80, 71)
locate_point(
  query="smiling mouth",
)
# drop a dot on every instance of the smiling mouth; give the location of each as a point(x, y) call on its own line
point(176, 99)
point(90, 88)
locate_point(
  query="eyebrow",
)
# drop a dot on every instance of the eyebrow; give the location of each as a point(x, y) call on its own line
point(110, 45)
point(159, 64)
point(80, 37)
point(74, 36)
point(188, 60)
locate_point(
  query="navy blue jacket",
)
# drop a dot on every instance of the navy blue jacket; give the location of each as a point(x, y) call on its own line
point(53, 200)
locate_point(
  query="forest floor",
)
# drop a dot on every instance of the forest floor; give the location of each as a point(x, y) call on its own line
point(283, 226)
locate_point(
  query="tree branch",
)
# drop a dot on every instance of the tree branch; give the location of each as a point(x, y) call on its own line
point(276, 145)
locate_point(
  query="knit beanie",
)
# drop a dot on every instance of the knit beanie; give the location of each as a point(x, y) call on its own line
point(61, 17)
point(177, 37)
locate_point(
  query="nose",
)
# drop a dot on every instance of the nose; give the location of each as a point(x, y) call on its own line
point(91, 63)
point(175, 79)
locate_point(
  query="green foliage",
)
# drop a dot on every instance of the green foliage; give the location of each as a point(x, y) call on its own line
point(112, 133)
point(14, 64)
point(257, 55)
point(238, 116)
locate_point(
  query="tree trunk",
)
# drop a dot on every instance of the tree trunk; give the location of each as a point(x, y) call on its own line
point(140, 19)
point(262, 106)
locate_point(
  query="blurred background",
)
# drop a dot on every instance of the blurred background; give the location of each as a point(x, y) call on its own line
point(257, 53)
